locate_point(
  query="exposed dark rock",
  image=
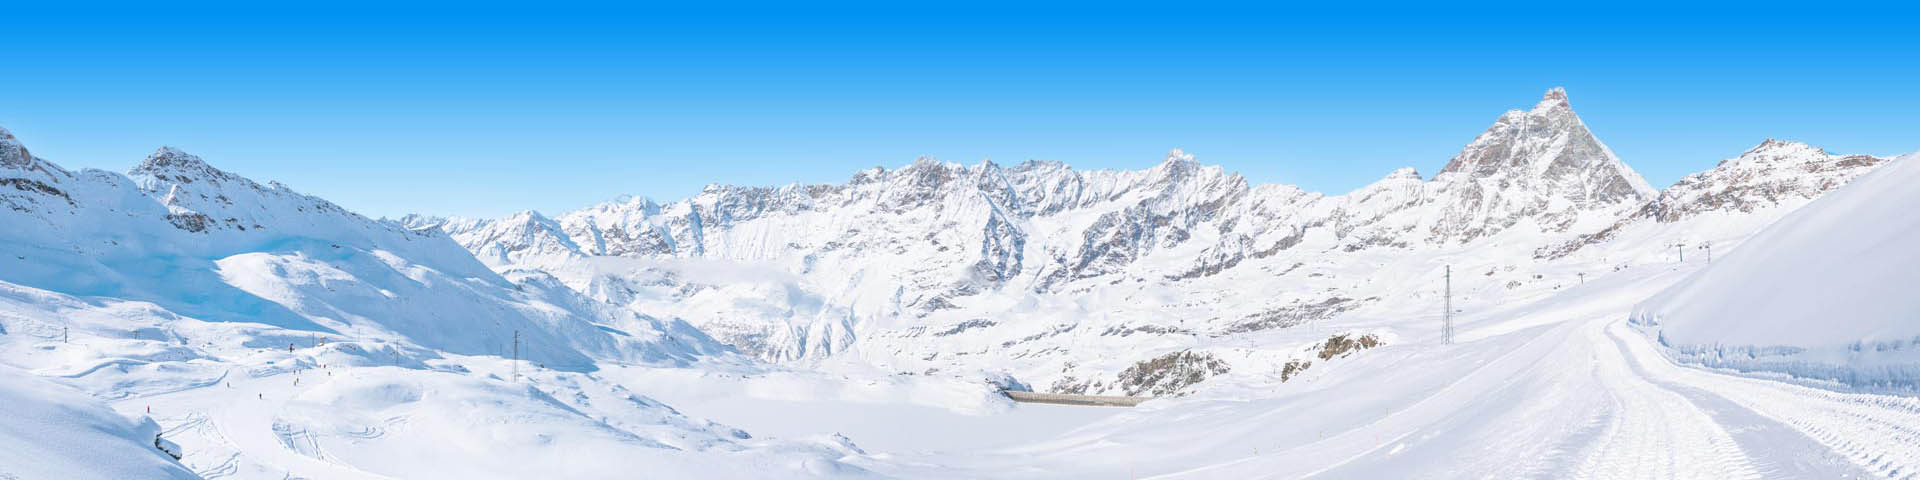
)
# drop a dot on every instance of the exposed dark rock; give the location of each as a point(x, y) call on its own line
point(1169, 374)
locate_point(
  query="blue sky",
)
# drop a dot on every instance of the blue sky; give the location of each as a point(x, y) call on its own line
point(483, 111)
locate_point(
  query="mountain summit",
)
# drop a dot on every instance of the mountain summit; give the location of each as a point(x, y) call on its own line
point(1541, 162)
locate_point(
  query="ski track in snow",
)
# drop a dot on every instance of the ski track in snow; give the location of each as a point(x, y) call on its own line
point(230, 436)
point(1879, 432)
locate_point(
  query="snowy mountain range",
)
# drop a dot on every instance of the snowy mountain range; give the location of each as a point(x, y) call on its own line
point(937, 265)
point(206, 243)
point(920, 292)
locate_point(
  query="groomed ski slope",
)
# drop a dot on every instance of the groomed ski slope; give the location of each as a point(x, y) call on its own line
point(1580, 396)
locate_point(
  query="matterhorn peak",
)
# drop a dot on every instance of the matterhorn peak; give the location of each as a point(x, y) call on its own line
point(1529, 160)
point(1556, 97)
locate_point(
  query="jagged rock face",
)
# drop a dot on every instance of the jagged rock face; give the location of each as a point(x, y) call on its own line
point(28, 184)
point(973, 219)
point(1543, 164)
point(514, 240)
point(1774, 175)
point(200, 198)
point(933, 240)
point(12, 153)
point(1767, 175)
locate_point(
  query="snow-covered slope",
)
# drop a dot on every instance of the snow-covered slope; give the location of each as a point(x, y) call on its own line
point(1287, 333)
point(208, 244)
point(54, 431)
point(275, 335)
point(1825, 294)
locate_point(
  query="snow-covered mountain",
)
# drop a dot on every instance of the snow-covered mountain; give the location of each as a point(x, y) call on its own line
point(211, 245)
point(1261, 314)
point(906, 243)
point(1739, 195)
point(1009, 268)
point(182, 284)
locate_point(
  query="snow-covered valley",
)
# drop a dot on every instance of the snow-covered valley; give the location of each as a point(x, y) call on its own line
point(1750, 321)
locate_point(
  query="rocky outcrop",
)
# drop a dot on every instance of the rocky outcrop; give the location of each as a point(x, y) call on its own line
point(1771, 175)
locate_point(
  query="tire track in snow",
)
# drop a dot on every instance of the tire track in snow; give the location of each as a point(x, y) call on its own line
point(1778, 450)
point(1880, 433)
point(1655, 433)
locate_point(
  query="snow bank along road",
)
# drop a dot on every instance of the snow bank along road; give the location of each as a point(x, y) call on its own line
point(1591, 398)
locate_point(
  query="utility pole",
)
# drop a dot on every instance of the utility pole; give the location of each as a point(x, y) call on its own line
point(1709, 248)
point(63, 334)
point(1583, 278)
point(1446, 318)
point(516, 356)
point(1682, 248)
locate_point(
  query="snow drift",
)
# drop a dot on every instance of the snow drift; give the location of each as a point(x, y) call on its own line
point(1824, 295)
point(52, 431)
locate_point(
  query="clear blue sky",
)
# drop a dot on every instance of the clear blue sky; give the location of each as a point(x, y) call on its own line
point(552, 107)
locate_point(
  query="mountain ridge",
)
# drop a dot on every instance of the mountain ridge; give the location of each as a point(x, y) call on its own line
point(909, 243)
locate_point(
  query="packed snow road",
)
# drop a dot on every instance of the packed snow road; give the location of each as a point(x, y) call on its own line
point(1560, 389)
point(1602, 402)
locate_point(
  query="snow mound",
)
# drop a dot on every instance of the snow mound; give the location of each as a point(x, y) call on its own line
point(52, 431)
point(1824, 295)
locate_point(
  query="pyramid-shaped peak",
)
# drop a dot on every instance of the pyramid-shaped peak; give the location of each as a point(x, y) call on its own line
point(1550, 153)
point(1556, 97)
